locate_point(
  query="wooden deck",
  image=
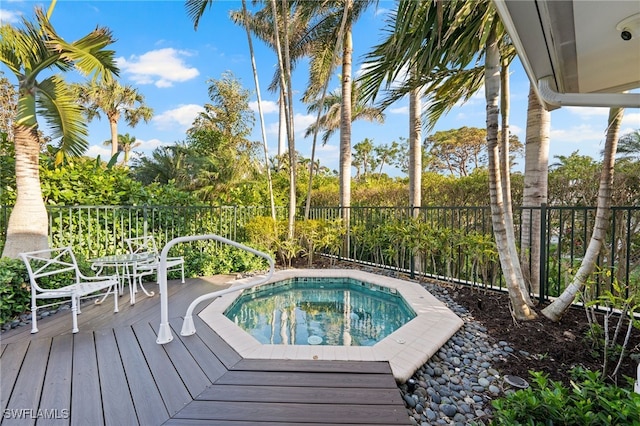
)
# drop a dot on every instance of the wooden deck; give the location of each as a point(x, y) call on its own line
point(113, 373)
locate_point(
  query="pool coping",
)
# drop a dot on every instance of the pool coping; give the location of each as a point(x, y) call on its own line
point(406, 349)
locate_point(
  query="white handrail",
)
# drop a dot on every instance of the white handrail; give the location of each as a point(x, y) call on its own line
point(188, 328)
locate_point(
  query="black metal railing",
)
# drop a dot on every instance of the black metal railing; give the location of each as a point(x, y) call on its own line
point(451, 243)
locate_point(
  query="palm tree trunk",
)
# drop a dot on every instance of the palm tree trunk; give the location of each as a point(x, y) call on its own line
point(415, 152)
point(603, 211)
point(536, 174)
point(293, 161)
point(282, 126)
point(285, 81)
point(504, 240)
point(415, 163)
point(113, 125)
point(307, 207)
point(27, 229)
point(345, 132)
point(262, 127)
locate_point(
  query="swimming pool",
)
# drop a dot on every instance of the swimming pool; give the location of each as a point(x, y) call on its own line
point(320, 311)
point(406, 349)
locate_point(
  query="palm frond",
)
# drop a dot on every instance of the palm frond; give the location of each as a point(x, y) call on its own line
point(195, 10)
point(63, 115)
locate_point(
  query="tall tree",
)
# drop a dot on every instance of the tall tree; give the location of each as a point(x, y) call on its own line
point(415, 151)
point(329, 14)
point(126, 143)
point(221, 152)
point(330, 120)
point(440, 42)
point(536, 177)
point(603, 211)
point(195, 10)
point(629, 145)
point(27, 52)
point(115, 101)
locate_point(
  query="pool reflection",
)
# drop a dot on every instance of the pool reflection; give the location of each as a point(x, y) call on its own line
point(335, 312)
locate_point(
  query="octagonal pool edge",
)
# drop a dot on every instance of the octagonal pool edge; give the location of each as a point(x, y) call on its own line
point(406, 349)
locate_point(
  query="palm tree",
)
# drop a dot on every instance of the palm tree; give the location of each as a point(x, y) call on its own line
point(115, 101)
point(166, 164)
point(629, 145)
point(126, 143)
point(535, 187)
point(603, 210)
point(27, 52)
point(439, 42)
point(329, 32)
point(330, 121)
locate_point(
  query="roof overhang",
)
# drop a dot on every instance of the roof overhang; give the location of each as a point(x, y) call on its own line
point(577, 52)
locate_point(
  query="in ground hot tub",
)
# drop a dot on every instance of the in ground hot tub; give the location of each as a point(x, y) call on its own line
point(426, 326)
point(320, 311)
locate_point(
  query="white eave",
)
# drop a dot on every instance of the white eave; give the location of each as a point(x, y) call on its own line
point(573, 52)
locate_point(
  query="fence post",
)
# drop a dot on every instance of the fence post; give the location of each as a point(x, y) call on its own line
point(544, 282)
point(145, 219)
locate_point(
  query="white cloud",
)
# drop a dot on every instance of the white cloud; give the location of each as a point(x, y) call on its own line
point(301, 122)
point(577, 134)
point(9, 17)
point(631, 120)
point(161, 67)
point(587, 113)
point(99, 150)
point(148, 145)
point(516, 130)
point(404, 110)
point(182, 116)
point(267, 106)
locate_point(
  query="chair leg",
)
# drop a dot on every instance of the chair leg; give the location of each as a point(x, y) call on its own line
point(74, 313)
point(115, 299)
point(34, 318)
point(182, 270)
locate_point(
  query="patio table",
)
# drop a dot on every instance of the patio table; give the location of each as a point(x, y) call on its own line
point(125, 267)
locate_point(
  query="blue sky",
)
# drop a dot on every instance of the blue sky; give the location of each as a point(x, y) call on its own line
point(169, 62)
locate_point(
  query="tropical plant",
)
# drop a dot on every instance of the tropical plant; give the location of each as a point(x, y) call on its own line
point(439, 42)
point(27, 52)
point(555, 310)
point(329, 122)
point(588, 401)
point(126, 143)
point(115, 101)
point(629, 145)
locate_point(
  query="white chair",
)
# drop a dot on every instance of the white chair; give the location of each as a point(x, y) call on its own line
point(149, 266)
point(61, 261)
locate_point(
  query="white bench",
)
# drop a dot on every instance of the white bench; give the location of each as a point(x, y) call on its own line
point(61, 262)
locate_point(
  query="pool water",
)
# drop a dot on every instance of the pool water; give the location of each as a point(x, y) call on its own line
point(320, 311)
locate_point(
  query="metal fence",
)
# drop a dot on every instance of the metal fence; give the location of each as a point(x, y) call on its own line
point(451, 243)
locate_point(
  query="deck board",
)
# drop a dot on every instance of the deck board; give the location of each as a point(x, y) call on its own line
point(113, 382)
point(56, 392)
point(251, 412)
point(28, 386)
point(304, 379)
point(10, 363)
point(290, 394)
point(170, 386)
point(85, 387)
point(145, 395)
point(113, 373)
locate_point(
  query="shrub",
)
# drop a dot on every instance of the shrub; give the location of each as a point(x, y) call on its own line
point(589, 401)
point(15, 293)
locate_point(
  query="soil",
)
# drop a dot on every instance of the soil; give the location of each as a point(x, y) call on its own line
point(539, 345)
point(553, 347)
